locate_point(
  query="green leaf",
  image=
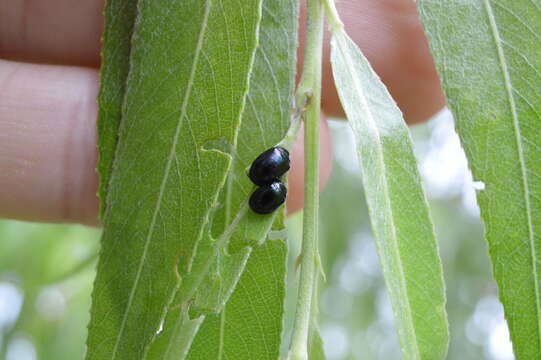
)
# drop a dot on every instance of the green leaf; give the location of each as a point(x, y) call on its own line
point(250, 326)
point(119, 20)
point(315, 343)
point(397, 204)
point(206, 288)
point(267, 115)
point(487, 54)
point(176, 339)
point(189, 68)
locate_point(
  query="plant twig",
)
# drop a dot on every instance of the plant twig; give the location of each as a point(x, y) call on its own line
point(295, 126)
point(309, 86)
point(332, 16)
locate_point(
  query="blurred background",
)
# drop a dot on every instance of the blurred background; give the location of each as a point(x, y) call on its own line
point(46, 271)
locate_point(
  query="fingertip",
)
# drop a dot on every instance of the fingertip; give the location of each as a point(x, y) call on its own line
point(48, 143)
point(391, 36)
point(52, 31)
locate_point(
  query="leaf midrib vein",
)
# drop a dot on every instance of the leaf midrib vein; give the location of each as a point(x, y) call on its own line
point(518, 138)
point(166, 174)
point(358, 88)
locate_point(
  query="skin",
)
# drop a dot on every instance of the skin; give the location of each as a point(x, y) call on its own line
point(49, 82)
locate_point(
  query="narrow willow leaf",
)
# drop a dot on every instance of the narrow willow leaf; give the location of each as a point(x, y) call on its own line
point(205, 289)
point(487, 53)
point(253, 314)
point(250, 326)
point(175, 342)
point(189, 68)
point(264, 123)
point(214, 272)
point(397, 204)
point(315, 343)
point(220, 282)
point(181, 327)
point(119, 20)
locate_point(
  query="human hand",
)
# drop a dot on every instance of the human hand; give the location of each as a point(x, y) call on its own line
point(48, 108)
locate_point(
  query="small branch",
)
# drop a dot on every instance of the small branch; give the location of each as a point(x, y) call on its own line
point(296, 118)
point(309, 93)
point(332, 16)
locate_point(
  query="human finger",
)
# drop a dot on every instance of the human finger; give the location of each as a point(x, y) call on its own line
point(390, 34)
point(48, 143)
point(52, 31)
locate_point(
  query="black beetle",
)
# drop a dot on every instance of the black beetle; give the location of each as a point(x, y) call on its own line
point(269, 166)
point(268, 198)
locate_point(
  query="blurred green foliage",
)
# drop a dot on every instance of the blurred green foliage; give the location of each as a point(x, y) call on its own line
point(46, 274)
point(50, 268)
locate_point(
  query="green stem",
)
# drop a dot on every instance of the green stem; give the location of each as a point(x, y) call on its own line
point(309, 87)
point(332, 16)
point(296, 120)
point(293, 131)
